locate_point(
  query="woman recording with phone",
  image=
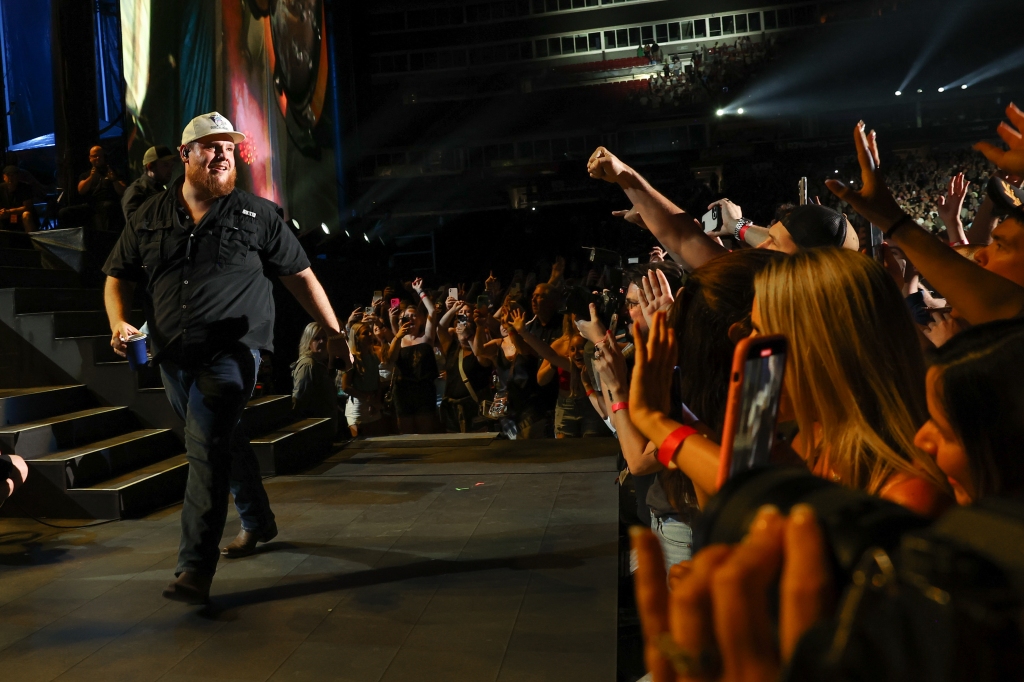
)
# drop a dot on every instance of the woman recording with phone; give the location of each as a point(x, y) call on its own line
point(415, 367)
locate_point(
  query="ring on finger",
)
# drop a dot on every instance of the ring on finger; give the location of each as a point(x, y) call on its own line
point(703, 664)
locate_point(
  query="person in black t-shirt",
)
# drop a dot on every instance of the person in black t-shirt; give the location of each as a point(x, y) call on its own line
point(102, 190)
point(159, 163)
point(16, 207)
point(467, 377)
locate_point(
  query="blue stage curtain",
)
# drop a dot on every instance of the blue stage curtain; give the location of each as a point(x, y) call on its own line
point(197, 58)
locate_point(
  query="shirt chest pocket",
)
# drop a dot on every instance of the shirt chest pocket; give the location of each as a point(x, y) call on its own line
point(237, 244)
point(152, 243)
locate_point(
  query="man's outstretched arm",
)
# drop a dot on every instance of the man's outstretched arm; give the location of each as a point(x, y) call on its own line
point(306, 289)
point(670, 225)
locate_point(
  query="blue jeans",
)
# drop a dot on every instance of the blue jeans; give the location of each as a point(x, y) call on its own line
point(676, 539)
point(210, 396)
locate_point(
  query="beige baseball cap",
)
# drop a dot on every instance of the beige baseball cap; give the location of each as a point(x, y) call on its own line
point(157, 153)
point(209, 124)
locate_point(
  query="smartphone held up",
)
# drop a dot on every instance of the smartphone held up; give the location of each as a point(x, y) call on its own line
point(755, 389)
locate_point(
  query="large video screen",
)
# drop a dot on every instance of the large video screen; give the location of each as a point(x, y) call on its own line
point(264, 65)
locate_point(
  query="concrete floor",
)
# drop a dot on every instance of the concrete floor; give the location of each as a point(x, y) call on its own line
point(450, 563)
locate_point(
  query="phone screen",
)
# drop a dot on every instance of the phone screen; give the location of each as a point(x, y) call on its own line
point(453, 293)
point(378, 296)
point(759, 407)
point(395, 302)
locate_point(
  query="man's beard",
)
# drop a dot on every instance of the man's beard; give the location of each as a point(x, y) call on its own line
point(200, 178)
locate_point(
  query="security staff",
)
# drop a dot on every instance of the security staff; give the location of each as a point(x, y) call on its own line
point(158, 165)
point(201, 249)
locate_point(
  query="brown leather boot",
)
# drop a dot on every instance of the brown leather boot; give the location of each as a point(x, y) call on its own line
point(191, 588)
point(245, 543)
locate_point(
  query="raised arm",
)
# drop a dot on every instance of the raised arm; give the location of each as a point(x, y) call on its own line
point(950, 206)
point(977, 294)
point(542, 349)
point(444, 337)
point(431, 326)
point(672, 226)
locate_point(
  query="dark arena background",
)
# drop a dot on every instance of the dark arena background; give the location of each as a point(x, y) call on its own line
point(448, 141)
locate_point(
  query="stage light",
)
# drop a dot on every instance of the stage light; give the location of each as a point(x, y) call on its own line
point(533, 208)
point(720, 112)
point(296, 224)
point(898, 93)
point(919, 91)
point(347, 234)
point(942, 89)
point(323, 226)
point(740, 111)
point(1009, 62)
point(837, 172)
point(366, 237)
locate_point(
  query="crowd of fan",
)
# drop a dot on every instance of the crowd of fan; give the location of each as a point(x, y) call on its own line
point(715, 71)
point(913, 394)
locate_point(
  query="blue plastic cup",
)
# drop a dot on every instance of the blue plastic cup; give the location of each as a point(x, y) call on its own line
point(136, 351)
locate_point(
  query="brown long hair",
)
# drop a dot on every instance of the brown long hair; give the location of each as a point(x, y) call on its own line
point(717, 295)
point(855, 367)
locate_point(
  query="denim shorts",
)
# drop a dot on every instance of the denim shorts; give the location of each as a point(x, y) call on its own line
point(676, 539)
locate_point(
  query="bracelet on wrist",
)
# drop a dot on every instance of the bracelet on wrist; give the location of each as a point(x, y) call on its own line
point(624, 405)
point(741, 228)
point(670, 446)
point(897, 225)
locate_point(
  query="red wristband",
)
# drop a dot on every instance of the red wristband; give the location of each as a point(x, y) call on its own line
point(423, 294)
point(743, 232)
point(620, 406)
point(591, 392)
point(670, 446)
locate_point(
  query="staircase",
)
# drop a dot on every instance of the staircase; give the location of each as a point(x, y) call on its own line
point(102, 441)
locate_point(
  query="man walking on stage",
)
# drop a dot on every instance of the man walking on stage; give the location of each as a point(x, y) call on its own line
point(201, 249)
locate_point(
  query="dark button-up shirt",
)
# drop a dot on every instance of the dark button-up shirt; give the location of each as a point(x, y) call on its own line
point(137, 193)
point(207, 284)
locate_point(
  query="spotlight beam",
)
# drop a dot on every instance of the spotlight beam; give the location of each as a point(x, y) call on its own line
point(939, 34)
point(1009, 62)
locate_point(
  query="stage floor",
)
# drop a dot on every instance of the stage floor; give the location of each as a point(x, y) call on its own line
point(448, 562)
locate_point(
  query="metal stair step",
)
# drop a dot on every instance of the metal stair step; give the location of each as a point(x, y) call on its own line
point(135, 493)
point(266, 413)
point(50, 300)
point(90, 464)
point(21, 258)
point(294, 446)
point(70, 324)
point(15, 240)
point(65, 431)
point(20, 405)
point(38, 277)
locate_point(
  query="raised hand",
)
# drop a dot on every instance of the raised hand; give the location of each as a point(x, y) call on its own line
point(631, 216)
point(592, 329)
point(610, 364)
point(450, 302)
point(558, 269)
point(873, 201)
point(603, 165)
point(493, 286)
point(657, 255)
point(651, 387)
point(655, 294)
point(356, 316)
point(730, 214)
point(417, 285)
point(517, 319)
point(1012, 160)
point(952, 202)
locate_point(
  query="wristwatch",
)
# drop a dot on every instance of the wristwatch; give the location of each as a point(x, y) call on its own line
point(740, 224)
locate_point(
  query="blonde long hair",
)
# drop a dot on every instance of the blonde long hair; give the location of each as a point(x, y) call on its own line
point(308, 334)
point(855, 365)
